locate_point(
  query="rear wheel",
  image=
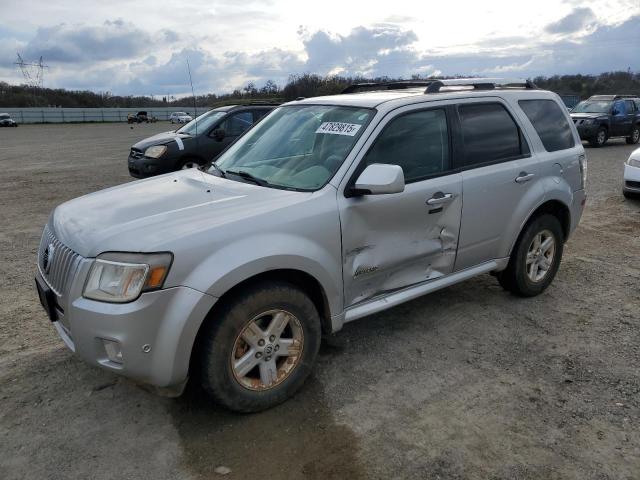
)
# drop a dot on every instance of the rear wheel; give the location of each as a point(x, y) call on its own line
point(635, 135)
point(189, 163)
point(600, 138)
point(260, 348)
point(535, 258)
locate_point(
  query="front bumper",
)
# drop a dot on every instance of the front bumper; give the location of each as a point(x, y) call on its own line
point(587, 131)
point(631, 179)
point(144, 167)
point(155, 334)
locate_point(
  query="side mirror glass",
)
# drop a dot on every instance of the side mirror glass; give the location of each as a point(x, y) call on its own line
point(219, 134)
point(378, 179)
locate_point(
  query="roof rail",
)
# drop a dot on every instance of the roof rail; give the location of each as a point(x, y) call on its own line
point(395, 85)
point(480, 84)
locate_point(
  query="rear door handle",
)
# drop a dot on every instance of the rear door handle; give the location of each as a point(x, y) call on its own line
point(440, 198)
point(524, 177)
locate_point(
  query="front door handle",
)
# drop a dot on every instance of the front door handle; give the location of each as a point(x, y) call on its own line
point(524, 177)
point(440, 198)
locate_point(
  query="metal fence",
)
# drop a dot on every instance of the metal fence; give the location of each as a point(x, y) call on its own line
point(74, 115)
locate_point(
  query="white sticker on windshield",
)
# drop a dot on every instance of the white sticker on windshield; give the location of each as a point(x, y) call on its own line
point(339, 128)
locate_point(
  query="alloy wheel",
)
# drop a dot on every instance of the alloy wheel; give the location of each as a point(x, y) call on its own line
point(267, 350)
point(540, 256)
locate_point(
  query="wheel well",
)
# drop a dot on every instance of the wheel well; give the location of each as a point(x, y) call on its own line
point(558, 210)
point(298, 278)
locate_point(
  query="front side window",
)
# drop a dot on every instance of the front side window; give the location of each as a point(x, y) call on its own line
point(631, 107)
point(489, 134)
point(237, 123)
point(619, 108)
point(202, 123)
point(418, 142)
point(550, 123)
point(297, 147)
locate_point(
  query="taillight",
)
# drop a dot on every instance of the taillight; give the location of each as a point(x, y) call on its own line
point(582, 159)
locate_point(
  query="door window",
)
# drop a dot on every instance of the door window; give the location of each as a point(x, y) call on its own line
point(237, 123)
point(489, 134)
point(418, 142)
point(631, 107)
point(619, 108)
point(550, 123)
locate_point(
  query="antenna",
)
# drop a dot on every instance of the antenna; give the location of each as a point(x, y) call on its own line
point(33, 73)
point(195, 108)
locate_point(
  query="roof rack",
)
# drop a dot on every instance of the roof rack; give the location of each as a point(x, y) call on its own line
point(480, 84)
point(396, 85)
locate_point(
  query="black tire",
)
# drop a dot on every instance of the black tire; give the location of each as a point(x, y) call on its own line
point(223, 330)
point(515, 277)
point(600, 138)
point(185, 161)
point(635, 135)
point(630, 195)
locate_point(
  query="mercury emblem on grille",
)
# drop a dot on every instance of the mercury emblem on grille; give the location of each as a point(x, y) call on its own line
point(47, 258)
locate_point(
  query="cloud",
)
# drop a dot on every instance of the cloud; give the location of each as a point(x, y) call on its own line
point(113, 40)
point(579, 19)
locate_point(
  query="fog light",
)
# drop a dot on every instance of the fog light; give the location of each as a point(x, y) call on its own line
point(114, 350)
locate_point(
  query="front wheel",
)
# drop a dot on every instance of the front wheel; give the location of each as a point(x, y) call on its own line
point(600, 138)
point(260, 347)
point(535, 258)
point(635, 135)
point(187, 164)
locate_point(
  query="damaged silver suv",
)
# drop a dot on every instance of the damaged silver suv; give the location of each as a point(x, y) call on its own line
point(329, 210)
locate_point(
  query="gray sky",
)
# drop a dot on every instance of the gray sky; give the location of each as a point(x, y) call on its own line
point(141, 46)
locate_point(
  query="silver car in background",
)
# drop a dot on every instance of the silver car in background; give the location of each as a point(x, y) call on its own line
point(328, 210)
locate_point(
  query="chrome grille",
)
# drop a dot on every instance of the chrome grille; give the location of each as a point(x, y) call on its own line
point(57, 263)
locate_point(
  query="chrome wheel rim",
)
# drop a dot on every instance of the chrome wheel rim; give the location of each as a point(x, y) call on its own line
point(636, 135)
point(267, 350)
point(540, 256)
point(601, 136)
point(189, 165)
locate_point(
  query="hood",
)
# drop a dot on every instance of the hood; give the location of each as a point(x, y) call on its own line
point(158, 213)
point(160, 139)
point(587, 115)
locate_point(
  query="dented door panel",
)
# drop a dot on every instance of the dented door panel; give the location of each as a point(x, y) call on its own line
point(393, 241)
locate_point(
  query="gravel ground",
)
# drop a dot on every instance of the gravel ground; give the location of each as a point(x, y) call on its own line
point(468, 382)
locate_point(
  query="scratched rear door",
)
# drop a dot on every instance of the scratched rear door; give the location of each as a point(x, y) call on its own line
point(397, 240)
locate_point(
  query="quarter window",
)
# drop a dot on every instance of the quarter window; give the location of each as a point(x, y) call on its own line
point(550, 123)
point(489, 134)
point(418, 142)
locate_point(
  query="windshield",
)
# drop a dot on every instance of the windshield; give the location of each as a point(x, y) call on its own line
point(601, 106)
point(297, 147)
point(202, 123)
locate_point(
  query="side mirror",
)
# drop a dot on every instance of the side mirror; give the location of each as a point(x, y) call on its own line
point(219, 134)
point(378, 179)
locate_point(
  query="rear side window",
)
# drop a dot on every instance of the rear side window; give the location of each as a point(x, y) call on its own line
point(489, 134)
point(418, 142)
point(550, 124)
point(631, 107)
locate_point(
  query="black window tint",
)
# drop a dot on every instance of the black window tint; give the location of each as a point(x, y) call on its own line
point(237, 123)
point(489, 134)
point(630, 106)
point(550, 124)
point(418, 142)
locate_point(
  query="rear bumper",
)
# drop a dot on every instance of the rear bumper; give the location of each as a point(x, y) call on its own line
point(155, 333)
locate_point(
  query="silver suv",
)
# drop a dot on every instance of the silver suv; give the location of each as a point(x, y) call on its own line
point(329, 210)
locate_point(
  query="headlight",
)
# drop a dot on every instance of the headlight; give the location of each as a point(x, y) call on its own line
point(156, 151)
point(122, 277)
point(633, 162)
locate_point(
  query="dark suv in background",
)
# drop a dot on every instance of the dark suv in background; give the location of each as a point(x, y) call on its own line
point(196, 143)
point(604, 116)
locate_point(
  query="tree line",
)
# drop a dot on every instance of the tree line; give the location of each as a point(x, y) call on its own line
point(304, 85)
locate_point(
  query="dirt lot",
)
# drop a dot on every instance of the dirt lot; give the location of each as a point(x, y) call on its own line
point(469, 382)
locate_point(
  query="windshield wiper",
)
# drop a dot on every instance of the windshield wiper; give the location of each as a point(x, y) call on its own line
point(247, 176)
point(216, 167)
